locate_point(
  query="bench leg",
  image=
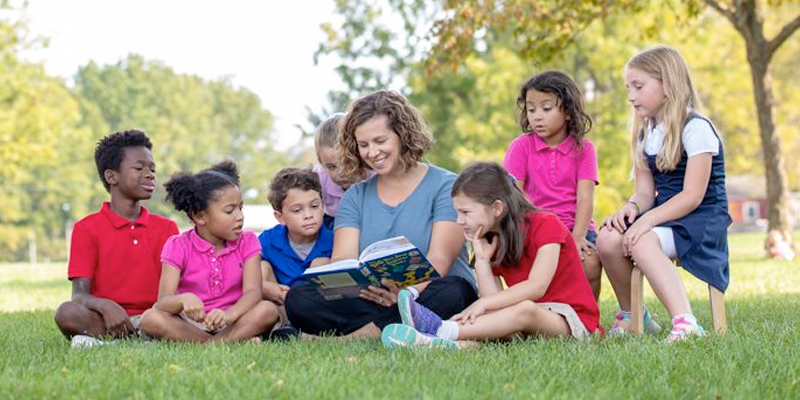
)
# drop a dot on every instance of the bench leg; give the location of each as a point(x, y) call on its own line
point(718, 316)
point(637, 301)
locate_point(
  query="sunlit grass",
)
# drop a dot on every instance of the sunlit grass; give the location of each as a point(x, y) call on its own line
point(758, 358)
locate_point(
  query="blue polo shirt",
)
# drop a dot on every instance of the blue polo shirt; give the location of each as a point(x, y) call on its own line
point(286, 264)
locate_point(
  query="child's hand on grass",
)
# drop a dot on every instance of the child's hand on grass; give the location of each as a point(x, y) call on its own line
point(193, 307)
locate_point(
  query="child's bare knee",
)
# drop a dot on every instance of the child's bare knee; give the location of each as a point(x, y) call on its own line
point(609, 242)
point(528, 311)
point(151, 320)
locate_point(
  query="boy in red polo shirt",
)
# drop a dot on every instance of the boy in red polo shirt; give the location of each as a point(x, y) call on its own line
point(114, 261)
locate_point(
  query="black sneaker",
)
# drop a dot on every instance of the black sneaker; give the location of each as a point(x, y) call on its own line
point(286, 332)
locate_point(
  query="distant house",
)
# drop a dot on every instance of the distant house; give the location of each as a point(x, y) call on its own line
point(747, 203)
point(258, 217)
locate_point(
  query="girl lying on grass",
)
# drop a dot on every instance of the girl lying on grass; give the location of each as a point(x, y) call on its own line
point(548, 293)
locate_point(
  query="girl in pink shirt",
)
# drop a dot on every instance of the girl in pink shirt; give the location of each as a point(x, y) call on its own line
point(552, 162)
point(210, 288)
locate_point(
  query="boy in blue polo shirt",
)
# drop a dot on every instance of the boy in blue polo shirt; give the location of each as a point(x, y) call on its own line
point(289, 249)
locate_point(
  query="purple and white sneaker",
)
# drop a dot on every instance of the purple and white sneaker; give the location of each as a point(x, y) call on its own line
point(416, 315)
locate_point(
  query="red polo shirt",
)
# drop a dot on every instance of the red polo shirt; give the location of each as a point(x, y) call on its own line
point(569, 284)
point(121, 257)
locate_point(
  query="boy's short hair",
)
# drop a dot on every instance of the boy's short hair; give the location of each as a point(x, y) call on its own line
point(291, 178)
point(110, 150)
point(327, 133)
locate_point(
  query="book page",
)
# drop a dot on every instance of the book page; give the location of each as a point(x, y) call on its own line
point(385, 247)
point(337, 266)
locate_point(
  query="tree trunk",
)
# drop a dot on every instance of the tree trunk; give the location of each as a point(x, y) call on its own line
point(759, 55)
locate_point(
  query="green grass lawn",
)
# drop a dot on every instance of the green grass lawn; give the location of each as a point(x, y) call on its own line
point(758, 358)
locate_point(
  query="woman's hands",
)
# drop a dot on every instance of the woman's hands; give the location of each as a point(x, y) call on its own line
point(386, 296)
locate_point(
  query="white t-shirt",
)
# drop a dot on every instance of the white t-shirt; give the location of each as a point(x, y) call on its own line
point(698, 137)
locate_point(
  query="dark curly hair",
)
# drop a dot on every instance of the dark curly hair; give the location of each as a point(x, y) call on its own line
point(110, 150)
point(291, 178)
point(569, 97)
point(403, 119)
point(191, 193)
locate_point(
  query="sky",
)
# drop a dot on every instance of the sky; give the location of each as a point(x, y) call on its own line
point(265, 46)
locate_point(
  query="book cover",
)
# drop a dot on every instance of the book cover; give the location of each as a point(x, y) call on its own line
point(395, 259)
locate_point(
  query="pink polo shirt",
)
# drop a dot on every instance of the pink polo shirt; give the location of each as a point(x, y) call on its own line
point(551, 174)
point(215, 278)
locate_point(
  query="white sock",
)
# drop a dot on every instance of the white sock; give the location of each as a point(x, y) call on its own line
point(690, 318)
point(414, 292)
point(448, 330)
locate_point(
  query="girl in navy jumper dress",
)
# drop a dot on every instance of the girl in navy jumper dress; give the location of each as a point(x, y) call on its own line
point(679, 210)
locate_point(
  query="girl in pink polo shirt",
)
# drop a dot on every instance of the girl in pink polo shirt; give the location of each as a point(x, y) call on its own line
point(210, 288)
point(553, 163)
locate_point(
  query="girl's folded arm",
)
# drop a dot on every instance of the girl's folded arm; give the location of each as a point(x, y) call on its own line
point(488, 284)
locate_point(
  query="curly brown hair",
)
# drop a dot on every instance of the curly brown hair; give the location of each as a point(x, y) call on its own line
point(403, 119)
point(291, 178)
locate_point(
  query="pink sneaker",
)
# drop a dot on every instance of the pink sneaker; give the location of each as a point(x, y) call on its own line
point(683, 328)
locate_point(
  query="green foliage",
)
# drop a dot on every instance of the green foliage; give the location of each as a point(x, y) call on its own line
point(758, 358)
point(480, 52)
point(40, 141)
point(48, 133)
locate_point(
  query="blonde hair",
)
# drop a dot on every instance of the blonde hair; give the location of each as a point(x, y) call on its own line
point(667, 66)
point(402, 118)
point(327, 133)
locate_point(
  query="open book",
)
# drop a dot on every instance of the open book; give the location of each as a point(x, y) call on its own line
point(395, 259)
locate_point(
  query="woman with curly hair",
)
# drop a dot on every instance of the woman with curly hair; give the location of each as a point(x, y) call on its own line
point(383, 132)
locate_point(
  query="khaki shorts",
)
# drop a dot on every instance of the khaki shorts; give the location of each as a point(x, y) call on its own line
point(136, 321)
point(576, 327)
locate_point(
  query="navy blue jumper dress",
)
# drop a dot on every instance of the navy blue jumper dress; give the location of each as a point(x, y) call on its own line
point(701, 237)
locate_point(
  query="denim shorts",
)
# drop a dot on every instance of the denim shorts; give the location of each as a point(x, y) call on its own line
point(591, 236)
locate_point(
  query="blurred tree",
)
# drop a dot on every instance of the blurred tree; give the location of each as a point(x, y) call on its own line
point(544, 26)
point(456, 43)
point(192, 122)
point(41, 140)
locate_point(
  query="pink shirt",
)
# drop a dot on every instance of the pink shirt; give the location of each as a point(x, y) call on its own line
point(551, 174)
point(215, 278)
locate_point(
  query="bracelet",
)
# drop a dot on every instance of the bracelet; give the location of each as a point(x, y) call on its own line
point(635, 204)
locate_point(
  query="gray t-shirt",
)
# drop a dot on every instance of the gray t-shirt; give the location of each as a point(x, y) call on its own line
point(430, 202)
